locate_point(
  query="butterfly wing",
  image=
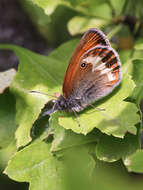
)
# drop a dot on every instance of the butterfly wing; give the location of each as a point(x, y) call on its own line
point(99, 76)
point(90, 39)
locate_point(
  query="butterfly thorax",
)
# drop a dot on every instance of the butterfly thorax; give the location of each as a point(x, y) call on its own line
point(68, 104)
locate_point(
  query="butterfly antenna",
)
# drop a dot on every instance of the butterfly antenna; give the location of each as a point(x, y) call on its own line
point(32, 91)
point(77, 118)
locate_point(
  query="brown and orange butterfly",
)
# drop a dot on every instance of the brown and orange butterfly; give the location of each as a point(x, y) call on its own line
point(93, 72)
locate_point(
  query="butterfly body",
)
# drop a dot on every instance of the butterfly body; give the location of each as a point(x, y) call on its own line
point(93, 72)
point(70, 104)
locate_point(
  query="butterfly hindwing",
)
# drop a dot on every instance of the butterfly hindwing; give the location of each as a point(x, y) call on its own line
point(99, 77)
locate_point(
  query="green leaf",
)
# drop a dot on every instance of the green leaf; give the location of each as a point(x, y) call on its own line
point(47, 24)
point(92, 8)
point(80, 24)
point(6, 154)
point(64, 139)
point(38, 166)
point(48, 5)
point(125, 56)
point(98, 10)
point(138, 54)
point(139, 44)
point(134, 163)
point(138, 49)
point(38, 73)
point(113, 121)
point(111, 149)
point(108, 148)
point(114, 176)
point(137, 94)
point(7, 117)
point(117, 5)
point(6, 78)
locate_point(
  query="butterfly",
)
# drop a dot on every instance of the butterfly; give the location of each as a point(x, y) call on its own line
point(93, 72)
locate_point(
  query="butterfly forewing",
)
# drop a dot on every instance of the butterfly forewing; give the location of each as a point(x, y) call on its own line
point(91, 38)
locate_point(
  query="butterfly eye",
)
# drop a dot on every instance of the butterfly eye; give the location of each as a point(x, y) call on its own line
point(83, 64)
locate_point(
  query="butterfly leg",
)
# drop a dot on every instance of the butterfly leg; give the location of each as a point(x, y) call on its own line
point(99, 109)
point(77, 118)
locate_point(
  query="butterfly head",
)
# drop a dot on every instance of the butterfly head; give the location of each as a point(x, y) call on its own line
point(60, 104)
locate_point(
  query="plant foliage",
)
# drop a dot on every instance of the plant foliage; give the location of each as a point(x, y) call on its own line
point(54, 151)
